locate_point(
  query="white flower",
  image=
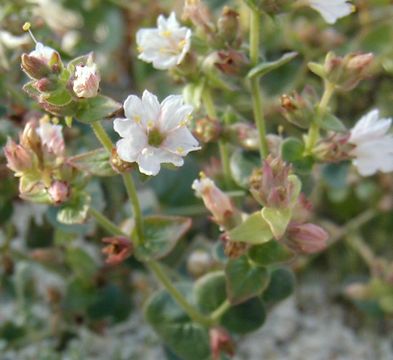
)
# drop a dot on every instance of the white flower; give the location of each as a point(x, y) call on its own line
point(43, 52)
point(373, 145)
point(166, 45)
point(87, 81)
point(154, 133)
point(331, 10)
point(51, 137)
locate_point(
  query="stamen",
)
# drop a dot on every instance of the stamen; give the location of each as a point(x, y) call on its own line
point(26, 27)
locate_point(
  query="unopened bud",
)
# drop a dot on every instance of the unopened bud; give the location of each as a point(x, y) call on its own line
point(228, 26)
point(218, 203)
point(87, 81)
point(118, 249)
point(334, 148)
point(199, 14)
point(207, 129)
point(307, 238)
point(274, 7)
point(231, 62)
point(30, 139)
point(244, 135)
point(44, 85)
point(270, 185)
point(220, 342)
point(19, 159)
point(34, 67)
point(59, 192)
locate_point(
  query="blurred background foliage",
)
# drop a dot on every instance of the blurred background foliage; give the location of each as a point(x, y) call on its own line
point(56, 293)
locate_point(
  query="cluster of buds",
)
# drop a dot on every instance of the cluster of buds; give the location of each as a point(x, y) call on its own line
point(218, 203)
point(119, 248)
point(334, 148)
point(231, 62)
point(270, 185)
point(207, 129)
point(58, 88)
point(299, 109)
point(344, 72)
point(39, 161)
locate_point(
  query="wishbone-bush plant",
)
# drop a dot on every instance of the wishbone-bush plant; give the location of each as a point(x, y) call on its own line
point(261, 206)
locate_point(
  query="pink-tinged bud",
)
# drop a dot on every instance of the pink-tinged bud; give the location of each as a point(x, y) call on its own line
point(307, 238)
point(218, 203)
point(34, 67)
point(118, 249)
point(207, 129)
point(30, 139)
point(199, 14)
point(19, 159)
point(220, 342)
point(270, 185)
point(44, 85)
point(51, 137)
point(335, 148)
point(231, 62)
point(86, 81)
point(59, 192)
point(228, 26)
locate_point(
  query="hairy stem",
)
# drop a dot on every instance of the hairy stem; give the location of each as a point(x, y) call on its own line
point(255, 89)
point(191, 311)
point(105, 223)
point(102, 136)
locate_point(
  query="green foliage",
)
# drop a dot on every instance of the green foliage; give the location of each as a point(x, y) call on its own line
point(96, 162)
point(269, 253)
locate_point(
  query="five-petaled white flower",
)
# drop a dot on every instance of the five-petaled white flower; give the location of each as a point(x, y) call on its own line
point(154, 133)
point(373, 145)
point(332, 10)
point(166, 45)
point(51, 137)
point(87, 81)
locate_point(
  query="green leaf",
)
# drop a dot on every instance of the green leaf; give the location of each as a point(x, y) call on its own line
point(190, 341)
point(96, 162)
point(80, 60)
point(81, 263)
point(330, 122)
point(296, 189)
point(210, 291)
point(292, 151)
point(193, 93)
point(281, 285)
point(270, 253)
point(317, 69)
point(161, 235)
point(75, 210)
point(242, 164)
point(96, 108)
point(246, 317)
point(244, 280)
point(266, 67)
point(278, 220)
point(60, 97)
point(254, 230)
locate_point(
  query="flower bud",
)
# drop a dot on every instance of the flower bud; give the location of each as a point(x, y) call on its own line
point(334, 148)
point(270, 185)
point(307, 238)
point(207, 129)
point(231, 62)
point(118, 164)
point(228, 26)
point(44, 85)
point(218, 203)
point(51, 137)
point(59, 191)
point(34, 67)
point(30, 139)
point(243, 134)
point(347, 72)
point(19, 159)
point(220, 342)
point(199, 14)
point(299, 109)
point(274, 7)
point(118, 249)
point(87, 81)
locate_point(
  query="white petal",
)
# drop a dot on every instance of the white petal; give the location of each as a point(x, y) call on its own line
point(150, 159)
point(133, 108)
point(123, 126)
point(174, 112)
point(129, 148)
point(180, 141)
point(331, 10)
point(151, 108)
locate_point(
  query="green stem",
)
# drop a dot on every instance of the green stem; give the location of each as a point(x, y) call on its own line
point(255, 89)
point(191, 311)
point(102, 136)
point(132, 194)
point(313, 134)
point(222, 146)
point(105, 223)
point(220, 311)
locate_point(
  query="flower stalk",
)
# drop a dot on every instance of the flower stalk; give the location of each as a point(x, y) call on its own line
point(256, 94)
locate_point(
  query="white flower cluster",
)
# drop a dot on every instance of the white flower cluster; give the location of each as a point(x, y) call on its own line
point(154, 133)
point(166, 45)
point(373, 144)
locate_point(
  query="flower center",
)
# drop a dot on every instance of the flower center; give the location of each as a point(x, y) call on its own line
point(155, 138)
